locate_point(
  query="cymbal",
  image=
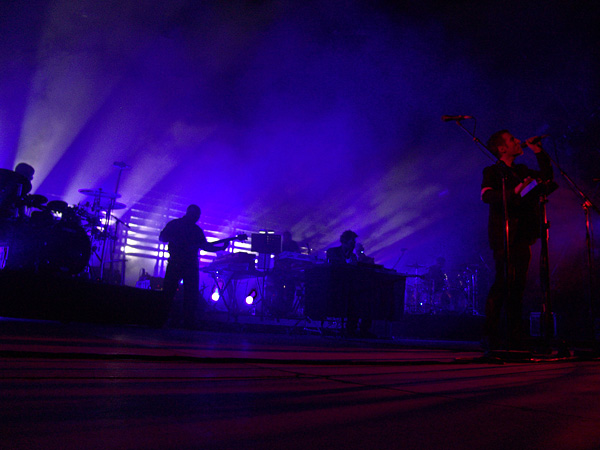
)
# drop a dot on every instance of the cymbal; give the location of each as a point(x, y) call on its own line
point(105, 205)
point(33, 201)
point(57, 205)
point(416, 266)
point(118, 205)
point(98, 193)
point(36, 199)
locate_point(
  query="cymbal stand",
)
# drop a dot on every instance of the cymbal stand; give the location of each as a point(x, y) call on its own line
point(473, 290)
point(105, 238)
point(419, 300)
point(122, 166)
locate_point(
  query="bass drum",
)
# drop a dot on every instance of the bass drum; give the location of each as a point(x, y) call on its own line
point(66, 248)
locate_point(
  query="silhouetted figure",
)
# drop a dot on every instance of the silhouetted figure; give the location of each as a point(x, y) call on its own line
point(26, 170)
point(288, 244)
point(14, 186)
point(185, 238)
point(437, 275)
point(344, 254)
point(524, 230)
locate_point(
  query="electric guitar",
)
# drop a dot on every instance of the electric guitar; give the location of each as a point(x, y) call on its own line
point(240, 237)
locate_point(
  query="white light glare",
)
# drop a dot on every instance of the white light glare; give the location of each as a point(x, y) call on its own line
point(251, 296)
point(215, 295)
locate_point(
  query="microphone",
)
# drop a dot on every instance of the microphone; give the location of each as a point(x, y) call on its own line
point(535, 140)
point(449, 118)
point(121, 165)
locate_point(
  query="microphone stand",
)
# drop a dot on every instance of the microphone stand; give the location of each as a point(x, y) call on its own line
point(587, 205)
point(401, 256)
point(546, 321)
point(504, 175)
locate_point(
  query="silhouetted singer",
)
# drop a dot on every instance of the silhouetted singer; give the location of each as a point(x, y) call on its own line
point(524, 230)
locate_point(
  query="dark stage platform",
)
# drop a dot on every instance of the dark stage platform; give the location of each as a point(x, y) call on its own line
point(99, 386)
point(71, 299)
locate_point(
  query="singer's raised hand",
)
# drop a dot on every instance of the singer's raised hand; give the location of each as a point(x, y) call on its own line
point(534, 143)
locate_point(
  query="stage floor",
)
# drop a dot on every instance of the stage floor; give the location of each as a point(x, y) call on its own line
point(90, 386)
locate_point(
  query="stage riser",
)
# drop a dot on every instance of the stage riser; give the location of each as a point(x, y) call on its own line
point(33, 296)
point(30, 296)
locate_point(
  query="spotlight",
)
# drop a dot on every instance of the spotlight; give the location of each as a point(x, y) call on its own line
point(251, 297)
point(215, 296)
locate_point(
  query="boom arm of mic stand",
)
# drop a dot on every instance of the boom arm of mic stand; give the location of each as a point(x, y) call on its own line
point(504, 194)
point(584, 198)
point(120, 221)
point(478, 141)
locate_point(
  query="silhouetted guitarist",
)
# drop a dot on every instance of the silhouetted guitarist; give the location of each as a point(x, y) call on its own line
point(185, 238)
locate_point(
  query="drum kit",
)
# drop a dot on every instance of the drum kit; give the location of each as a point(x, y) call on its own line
point(455, 295)
point(52, 236)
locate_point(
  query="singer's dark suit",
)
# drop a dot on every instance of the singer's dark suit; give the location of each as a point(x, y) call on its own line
point(524, 230)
